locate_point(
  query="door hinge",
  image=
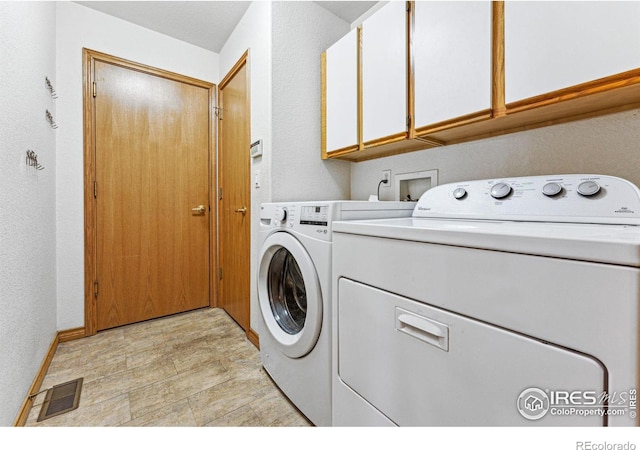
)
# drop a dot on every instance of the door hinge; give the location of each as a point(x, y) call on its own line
point(220, 194)
point(95, 89)
point(95, 289)
point(220, 273)
point(409, 122)
point(95, 189)
point(218, 112)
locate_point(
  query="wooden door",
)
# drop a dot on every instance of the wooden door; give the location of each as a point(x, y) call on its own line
point(152, 213)
point(234, 178)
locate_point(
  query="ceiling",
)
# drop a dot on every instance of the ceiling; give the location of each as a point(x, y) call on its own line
point(207, 24)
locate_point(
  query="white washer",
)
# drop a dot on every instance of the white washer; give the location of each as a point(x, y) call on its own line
point(294, 292)
point(500, 302)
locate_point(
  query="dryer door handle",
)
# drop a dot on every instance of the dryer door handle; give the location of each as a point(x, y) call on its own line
point(427, 330)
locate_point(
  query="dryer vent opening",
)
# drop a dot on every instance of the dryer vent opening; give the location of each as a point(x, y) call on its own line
point(61, 399)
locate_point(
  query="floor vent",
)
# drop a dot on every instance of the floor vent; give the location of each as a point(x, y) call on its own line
point(61, 399)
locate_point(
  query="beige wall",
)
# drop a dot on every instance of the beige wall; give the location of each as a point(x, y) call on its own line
point(608, 145)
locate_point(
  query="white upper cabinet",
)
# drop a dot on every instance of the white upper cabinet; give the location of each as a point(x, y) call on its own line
point(555, 45)
point(384, 72)
point(452, 60)
point(341, 93)
point(431, 73)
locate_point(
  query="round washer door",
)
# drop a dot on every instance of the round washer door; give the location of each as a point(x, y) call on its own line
point(289, 294)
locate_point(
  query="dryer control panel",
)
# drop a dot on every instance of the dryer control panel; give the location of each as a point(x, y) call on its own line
point(553, 198)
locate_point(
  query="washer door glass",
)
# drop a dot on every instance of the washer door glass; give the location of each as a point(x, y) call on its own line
point(287, 294)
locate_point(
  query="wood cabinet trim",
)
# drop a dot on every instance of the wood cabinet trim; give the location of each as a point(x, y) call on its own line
point(359, 95)
point(497, 60)
point(323, 105)
point(343, 151)
point(385, 140)
point(389, 149)
point(609, 83)
point(411, 71)
point(585, 107)
point(455, 122)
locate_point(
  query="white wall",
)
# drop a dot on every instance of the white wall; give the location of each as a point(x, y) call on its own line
point(253, 33)
point(301, 32)
point(78, 27)
point(608, 145)
point(285, 40)
point(27, 199)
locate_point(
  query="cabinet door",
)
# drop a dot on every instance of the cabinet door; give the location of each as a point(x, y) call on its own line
point(452, 60)
point(555, 45)
point(341, 93)
point(384, 73)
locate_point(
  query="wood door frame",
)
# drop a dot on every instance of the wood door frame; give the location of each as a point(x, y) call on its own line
point(251, 334)
point(89, 57)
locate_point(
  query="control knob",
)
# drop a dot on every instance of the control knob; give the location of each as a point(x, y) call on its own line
point(500, 190)
point(281, 215)
point(459, 193)
point(551, 189)
point(588, 188)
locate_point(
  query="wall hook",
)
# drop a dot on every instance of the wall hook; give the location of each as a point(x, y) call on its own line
point(49, 86)
point(31, 160)
point(50, 119)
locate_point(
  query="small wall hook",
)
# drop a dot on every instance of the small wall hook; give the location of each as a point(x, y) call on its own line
point(49, 86)
point(50, 119)
point(31, 160)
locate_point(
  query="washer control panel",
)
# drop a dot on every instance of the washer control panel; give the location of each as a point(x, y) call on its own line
point(314, 215)
point(292, 215)
point(555, 198)
point(309, 218)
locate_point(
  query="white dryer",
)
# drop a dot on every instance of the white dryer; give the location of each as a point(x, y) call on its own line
point(294, 293)
point(499, 302)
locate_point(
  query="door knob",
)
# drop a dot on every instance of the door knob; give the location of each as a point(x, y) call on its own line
point(199, 210)
point(242, 210)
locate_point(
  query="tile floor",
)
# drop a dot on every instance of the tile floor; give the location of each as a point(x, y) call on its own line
point(191, 369)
